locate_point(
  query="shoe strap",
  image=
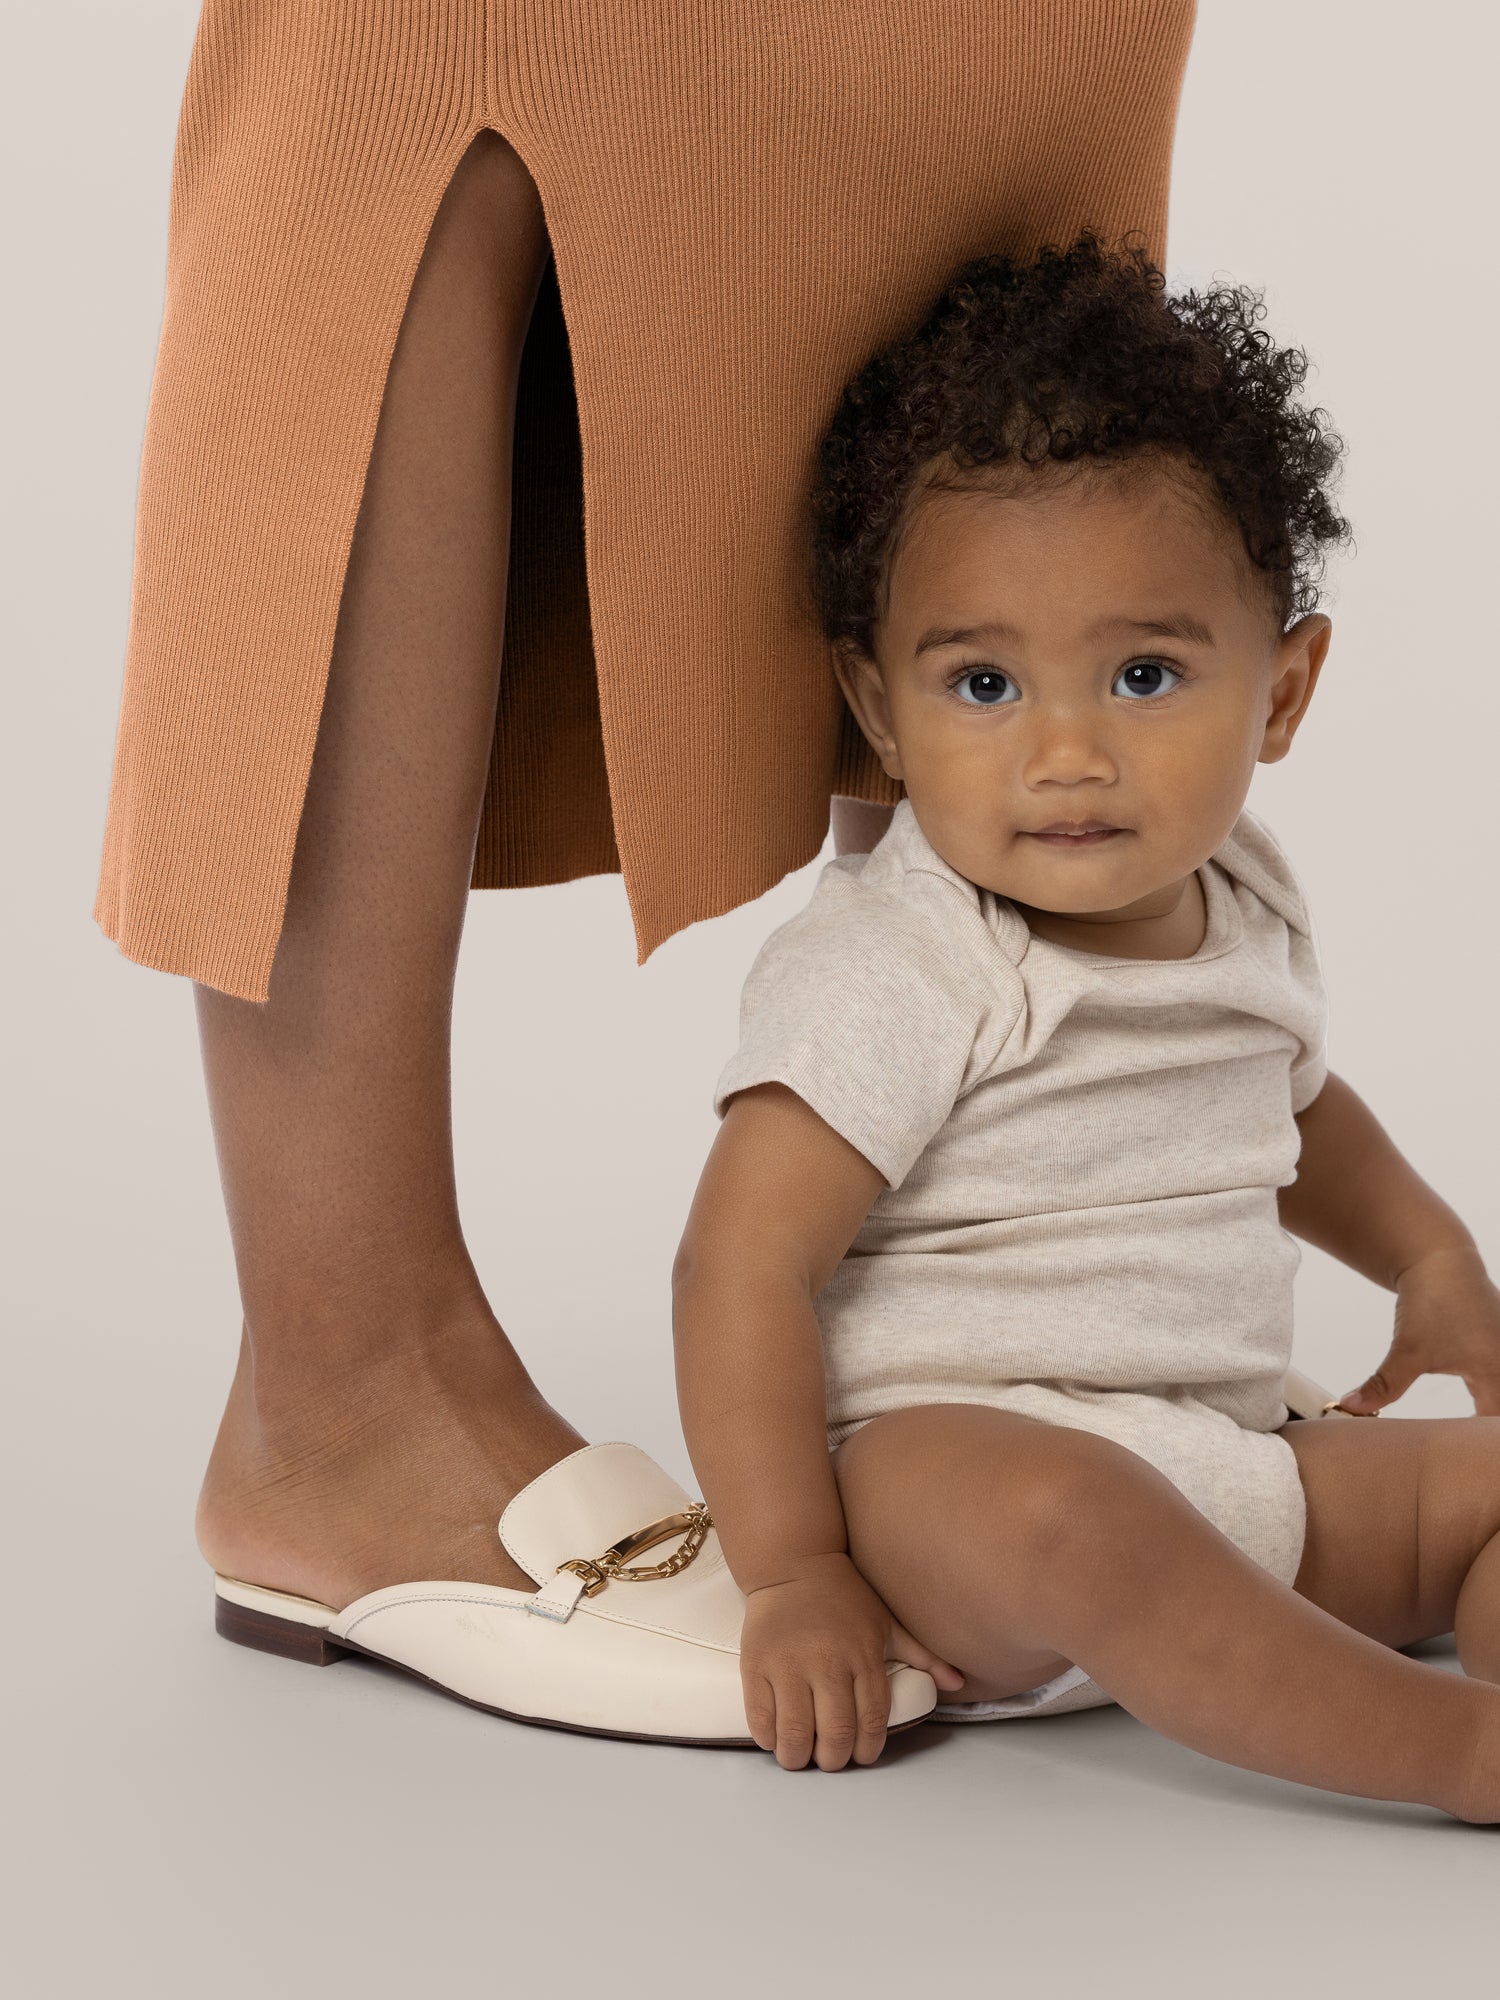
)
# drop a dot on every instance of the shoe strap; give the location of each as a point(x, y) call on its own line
point(557, 1598)
point(579, 1507)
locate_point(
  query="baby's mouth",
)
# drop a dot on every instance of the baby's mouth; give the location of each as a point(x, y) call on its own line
point(1085, 833)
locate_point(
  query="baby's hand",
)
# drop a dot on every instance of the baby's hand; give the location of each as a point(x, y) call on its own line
point(1447, 1323)
point(812, 1661)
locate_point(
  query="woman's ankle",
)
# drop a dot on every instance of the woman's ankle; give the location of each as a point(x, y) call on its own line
point(307, 1335)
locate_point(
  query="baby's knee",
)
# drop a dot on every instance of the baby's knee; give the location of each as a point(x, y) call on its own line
point(1070, 1497)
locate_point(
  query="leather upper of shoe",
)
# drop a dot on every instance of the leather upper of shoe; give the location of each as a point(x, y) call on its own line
point(593, 1498)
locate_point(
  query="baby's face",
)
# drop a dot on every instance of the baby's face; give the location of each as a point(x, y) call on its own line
point(1063, 702)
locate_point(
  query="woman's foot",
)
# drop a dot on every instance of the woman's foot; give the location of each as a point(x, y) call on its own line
point(383, 1468)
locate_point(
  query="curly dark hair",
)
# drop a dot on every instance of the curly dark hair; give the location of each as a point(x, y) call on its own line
point(1079, 355)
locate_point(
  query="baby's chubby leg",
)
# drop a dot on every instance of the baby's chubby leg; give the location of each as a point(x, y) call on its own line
point(1403, 1529)
point(1012, 1547)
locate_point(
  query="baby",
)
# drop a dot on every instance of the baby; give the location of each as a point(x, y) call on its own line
point(983, 1309)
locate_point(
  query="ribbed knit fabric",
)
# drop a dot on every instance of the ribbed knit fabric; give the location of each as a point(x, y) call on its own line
point(744, 198)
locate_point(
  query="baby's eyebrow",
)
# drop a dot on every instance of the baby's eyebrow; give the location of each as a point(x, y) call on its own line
point(1170, 625)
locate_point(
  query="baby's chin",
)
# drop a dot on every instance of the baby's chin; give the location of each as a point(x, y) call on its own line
point(1065, 878)
point(1059, 877)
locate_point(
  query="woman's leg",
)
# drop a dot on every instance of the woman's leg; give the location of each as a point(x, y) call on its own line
point(1013, 1547)
point(379, 1419)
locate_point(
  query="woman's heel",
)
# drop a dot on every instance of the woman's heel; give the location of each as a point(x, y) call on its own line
point(290, 1638)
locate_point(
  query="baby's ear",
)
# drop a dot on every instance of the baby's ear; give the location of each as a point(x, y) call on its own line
point(1298, 661)
point(846, 658)
point(864, 689)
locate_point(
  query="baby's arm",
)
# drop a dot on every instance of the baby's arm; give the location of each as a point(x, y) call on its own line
point(777, 1205)
point(1357, 1197)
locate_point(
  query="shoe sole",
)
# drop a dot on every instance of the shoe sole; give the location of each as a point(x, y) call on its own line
point(311, 1645)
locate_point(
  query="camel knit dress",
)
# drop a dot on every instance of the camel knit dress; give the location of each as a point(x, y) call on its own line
point(744, 199)
point(1081, 1155)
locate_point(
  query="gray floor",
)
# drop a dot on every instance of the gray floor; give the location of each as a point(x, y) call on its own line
point(205, 1819)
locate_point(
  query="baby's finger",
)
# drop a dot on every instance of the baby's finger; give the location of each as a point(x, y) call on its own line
point(902, 1646)
point(760, 1709)
point(872, 1711)
point(838, 1730)
point(796, 1722)
point(1402, 1366)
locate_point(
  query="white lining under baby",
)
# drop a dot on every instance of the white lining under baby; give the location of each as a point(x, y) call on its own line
point(1026, 1703)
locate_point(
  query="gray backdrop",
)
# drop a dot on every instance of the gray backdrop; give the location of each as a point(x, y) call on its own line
point(195, 1818)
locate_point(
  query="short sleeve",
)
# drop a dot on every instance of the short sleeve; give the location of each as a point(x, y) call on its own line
point(1256, 855)
point(1309, 1071)
point(1310, 1064)
point(867, 1007)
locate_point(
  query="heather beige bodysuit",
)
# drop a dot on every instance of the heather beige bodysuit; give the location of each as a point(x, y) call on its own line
point(1082, 1154)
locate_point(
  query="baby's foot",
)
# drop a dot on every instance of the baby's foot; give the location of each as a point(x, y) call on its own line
point(1479, 1798)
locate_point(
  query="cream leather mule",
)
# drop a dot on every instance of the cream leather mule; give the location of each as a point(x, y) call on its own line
point(606, 1646)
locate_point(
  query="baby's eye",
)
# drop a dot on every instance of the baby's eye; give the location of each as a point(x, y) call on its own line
point(1157, 667)
point(987, 690)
